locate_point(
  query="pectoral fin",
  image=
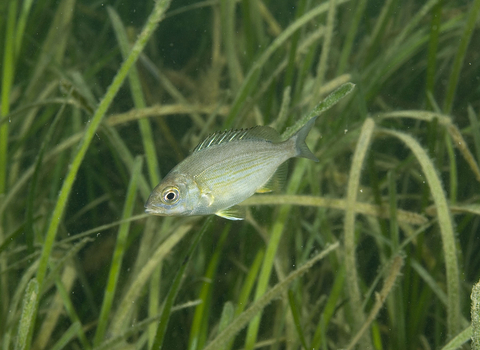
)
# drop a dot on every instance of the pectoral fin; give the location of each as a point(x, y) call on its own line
point(233, 213)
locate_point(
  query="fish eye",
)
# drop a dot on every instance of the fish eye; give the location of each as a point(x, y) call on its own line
point(171, 195)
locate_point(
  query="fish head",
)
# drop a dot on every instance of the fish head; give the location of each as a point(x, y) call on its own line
point(176, 194)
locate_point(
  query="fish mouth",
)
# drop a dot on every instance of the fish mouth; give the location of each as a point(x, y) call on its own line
point(150, 208)
point(154, 211)
point(149, 204)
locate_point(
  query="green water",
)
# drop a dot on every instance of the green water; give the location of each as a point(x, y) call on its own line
point(374, 247)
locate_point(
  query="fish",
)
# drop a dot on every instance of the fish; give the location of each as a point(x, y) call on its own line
point(225, 169)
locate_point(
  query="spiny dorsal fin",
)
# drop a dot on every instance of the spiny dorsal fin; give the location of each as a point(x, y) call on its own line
point(264, 133)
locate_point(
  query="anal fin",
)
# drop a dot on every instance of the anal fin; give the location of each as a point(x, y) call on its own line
point(233, 213)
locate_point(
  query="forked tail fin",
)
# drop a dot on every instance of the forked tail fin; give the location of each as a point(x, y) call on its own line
point(300, 145)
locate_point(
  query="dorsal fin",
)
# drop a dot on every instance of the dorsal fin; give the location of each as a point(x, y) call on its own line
point(264, 133)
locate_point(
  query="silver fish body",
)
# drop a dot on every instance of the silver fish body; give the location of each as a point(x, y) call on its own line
point(224, 170)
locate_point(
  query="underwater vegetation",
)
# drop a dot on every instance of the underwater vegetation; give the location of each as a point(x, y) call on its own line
point(373, 247)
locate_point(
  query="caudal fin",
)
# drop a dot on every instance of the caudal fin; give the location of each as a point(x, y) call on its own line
point(300, 145)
